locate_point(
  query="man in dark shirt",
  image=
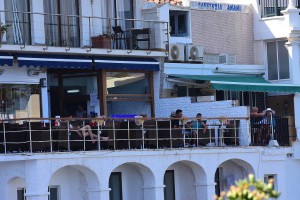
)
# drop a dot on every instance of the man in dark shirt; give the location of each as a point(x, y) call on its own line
point(176, 123)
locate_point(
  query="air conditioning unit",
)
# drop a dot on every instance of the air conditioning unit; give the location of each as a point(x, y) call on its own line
point(33, 72)
point(176, 52)
point(227, 59)
point(194, 53)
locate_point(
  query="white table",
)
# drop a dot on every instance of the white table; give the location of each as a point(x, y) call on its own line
point(218, 137)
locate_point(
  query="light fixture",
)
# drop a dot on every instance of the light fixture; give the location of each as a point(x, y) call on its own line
point(43, 82)
point(73, 91)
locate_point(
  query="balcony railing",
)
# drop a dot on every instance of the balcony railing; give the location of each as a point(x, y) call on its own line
point(72, 31)
point(261, 131)
point(51, 135)
point(271, 8)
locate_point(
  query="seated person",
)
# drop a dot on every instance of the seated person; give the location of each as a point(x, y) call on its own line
point(81, 113)
point(198, 123)
point(84, 131)
point(190, 134)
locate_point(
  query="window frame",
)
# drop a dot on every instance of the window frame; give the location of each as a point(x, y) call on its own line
point(176, 14)
point(278, 67)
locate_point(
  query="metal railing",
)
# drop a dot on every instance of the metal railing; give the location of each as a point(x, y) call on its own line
point(271, 8)
point(261, 131)
point(41, 135)
point(73, 31)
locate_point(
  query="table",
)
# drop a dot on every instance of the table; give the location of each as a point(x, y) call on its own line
point(218, 137)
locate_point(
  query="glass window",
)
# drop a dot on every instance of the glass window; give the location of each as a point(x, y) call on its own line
point(18, 21)
point(179, 23)
point(62, 30)
point(127, 83)
point(278, 60)
point(19, 101)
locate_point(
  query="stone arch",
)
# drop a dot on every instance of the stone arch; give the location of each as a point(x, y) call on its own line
point(139, 181)
point(75, 182)
point(190, 180)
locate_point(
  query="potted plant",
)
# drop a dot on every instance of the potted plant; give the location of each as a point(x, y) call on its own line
point(101, 41)
point(3, 29)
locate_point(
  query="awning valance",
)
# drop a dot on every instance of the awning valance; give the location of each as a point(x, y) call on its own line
point(6, 59)
point(242, 83)
point(126, 63)
point(57, 61)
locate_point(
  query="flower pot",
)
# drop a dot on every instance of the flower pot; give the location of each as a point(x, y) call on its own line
point(101, 42)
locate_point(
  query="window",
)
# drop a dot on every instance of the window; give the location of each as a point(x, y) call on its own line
point(19, 21)
point(62, 30)
point(115, 184)
point(169, 182)
point(278, 60)
point(267, 177)
point(128, 93)
point(270, 8)
point(179, 23)
point(19, 101)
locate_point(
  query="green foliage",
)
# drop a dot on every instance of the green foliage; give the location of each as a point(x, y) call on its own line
point(4, 27)
point(250, 189)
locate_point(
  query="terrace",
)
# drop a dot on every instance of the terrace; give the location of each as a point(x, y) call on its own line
point(83, 32)
point(57, 135)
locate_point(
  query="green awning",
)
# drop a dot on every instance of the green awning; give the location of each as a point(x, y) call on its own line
point(242, 83)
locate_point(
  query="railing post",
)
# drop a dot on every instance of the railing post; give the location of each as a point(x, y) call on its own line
point(171, 139)
point(4, 135)
point(98, 134)
point(68, 128)
point(114, 132)
point(51, 140)
point(156, 130)
point(83, 135)
point(128, 133)
point(30, 140)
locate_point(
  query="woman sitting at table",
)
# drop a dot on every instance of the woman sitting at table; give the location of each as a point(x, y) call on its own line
point(84, 131)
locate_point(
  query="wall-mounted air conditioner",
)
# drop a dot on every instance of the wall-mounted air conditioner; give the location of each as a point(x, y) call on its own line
point(33, 72)
point(176, 52)
point(227, 59)
point(194, 53)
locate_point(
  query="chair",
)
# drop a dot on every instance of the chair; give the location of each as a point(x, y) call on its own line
point(140, 35)
point(119, 37)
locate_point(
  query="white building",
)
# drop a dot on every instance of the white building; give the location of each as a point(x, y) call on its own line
point(122, 58)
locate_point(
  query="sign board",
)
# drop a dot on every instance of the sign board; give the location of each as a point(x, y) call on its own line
point(219, 6)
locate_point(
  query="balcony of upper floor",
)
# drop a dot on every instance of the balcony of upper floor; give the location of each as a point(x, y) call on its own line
point(62, 33)
point(122, 132)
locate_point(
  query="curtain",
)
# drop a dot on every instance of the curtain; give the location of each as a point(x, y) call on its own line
point(16, 24)
point(120, 13)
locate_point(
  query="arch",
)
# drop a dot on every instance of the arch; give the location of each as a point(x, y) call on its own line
point(230, 171)
point(75, 182)
point(190, 180)
point(139, 181)
point(13, 185)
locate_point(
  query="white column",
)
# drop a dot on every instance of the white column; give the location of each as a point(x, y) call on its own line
point(291, 4)
point(205, 191)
